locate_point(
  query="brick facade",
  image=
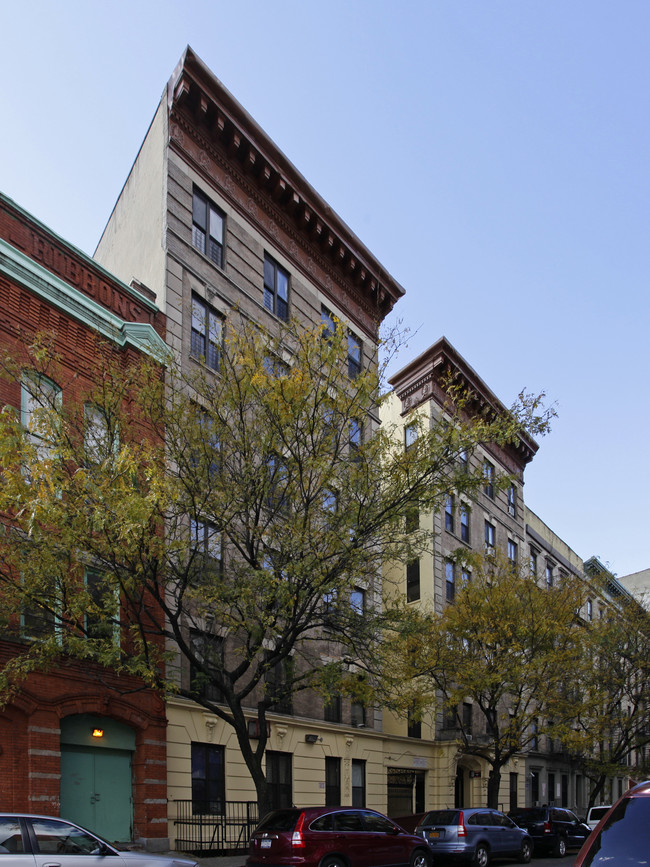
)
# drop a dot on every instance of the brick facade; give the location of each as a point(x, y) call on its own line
point(49, 287)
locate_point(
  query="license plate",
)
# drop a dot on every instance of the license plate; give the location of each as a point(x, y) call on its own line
point(265, 844)
point(434, 834)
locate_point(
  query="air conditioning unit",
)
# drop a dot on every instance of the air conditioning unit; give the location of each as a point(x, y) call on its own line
point(254, 728)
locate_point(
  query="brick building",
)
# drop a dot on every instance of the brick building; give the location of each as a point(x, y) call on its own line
point(114, 783)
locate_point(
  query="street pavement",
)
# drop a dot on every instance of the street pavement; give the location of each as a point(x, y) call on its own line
point(240, 860)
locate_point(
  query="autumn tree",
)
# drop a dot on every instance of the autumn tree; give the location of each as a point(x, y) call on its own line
point(506, 645)
point(610, 729)
point(224, 524)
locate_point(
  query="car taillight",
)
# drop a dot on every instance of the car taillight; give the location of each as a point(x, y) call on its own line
point(462, 830)
point(297, 840)
point(547, 827)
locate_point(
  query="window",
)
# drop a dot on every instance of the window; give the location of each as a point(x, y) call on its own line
point(355, 436)
point(40, 401)
point(410, 435)
point(533, 561)
point(206, 542)
point(37, 621)
point(206, 665)
point(412, 519)
point(11, 836)
point(450, 581)
point(490, 533)
point(208, 779)
point(275, 367)
point(278, 779)
point(100, 442)
point(332, 781)
point(464, 522)
point(590, 610)
point(276, 289)
point(332, 709)
point(512, 552)
point(467, 717)
point(278, 682)
point(414, 725)
point(354, 356)
point(357, 714)
point(549, 574)
point(207, 228)
point(512, 501)
point(358, 600)
point(413, 581)
point(328, 322)
point(276, 497)
point(449, 513)
point(465, 576)
point(463, 458)
point(61, 840)
point(358, 783)
point(102, 615)
point(534, 736)
point(207, 333)
point(488, 477)
point(514, 786)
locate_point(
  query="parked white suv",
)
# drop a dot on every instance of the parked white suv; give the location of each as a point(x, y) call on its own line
point(595, 814)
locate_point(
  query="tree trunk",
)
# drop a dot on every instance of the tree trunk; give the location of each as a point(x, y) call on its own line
point(494, 783)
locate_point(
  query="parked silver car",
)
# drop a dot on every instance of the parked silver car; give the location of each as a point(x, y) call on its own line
point(43, 841)
point(474, 835)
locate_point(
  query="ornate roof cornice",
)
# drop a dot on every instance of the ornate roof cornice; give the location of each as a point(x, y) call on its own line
point(202, 107)
point(426, 377)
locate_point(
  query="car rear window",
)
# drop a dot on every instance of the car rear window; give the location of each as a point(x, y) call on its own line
point(440, 817)
point(597, 813)
point(624, 836)
point(279, 820)
point(529, 813)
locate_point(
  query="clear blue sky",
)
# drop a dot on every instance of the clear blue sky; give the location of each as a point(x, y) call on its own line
point(493, 154)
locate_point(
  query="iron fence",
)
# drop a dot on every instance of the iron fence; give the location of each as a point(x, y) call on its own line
point(218, 828)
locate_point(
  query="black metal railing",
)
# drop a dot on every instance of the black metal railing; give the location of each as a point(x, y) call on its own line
point(214, 828)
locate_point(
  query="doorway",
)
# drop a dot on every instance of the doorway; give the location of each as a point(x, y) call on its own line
point(96, 787)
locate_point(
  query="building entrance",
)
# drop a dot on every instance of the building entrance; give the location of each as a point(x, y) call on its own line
point(96, 788)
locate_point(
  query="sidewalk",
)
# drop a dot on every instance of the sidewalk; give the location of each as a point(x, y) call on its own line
point(215, 860)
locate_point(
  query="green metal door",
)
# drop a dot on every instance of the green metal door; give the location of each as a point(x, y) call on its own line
point(96, 790)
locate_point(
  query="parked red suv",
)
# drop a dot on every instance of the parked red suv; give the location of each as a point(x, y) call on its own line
point(334, 837)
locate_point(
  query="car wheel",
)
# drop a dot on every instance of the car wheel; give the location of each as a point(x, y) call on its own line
point(560, 847)
point(481, 856)
point(526, 852)
point(334, 861)
point(420, 858)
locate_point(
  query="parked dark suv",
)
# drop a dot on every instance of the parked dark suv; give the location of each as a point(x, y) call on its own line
point(334, 837)
point(553, 829)
point(474, 835)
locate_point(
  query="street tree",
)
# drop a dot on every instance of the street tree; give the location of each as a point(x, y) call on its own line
point(610, 730)
point(233, 525)
point(506, 645)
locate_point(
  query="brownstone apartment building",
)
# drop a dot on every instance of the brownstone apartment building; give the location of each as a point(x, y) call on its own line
point(50, 762)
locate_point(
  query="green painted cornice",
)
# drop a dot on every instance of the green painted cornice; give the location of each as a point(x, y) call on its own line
point(52, 289)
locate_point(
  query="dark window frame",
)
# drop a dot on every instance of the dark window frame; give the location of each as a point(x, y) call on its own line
point(208, 792)
point(207, 218)
point(206, 337)
point(413, 580)
point(276, 288)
